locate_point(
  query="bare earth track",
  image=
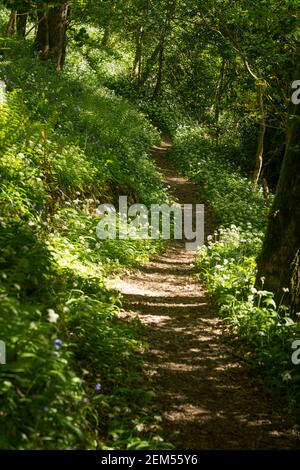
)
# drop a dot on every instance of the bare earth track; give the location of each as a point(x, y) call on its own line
point(207, 396)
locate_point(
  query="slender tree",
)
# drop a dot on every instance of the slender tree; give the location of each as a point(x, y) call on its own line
point(18, 16)
point(12, 23)
point(107, 30)
point(22, 16)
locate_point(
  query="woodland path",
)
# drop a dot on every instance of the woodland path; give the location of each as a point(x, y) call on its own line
point(206, 394)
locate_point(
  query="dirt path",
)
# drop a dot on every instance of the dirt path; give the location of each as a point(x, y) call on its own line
point(206, 395)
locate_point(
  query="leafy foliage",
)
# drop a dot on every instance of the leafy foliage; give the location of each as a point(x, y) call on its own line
point(228, 262)
point(74, 375)
point(72, 140)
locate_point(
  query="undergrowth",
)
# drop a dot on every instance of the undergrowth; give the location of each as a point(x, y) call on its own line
point(74, 374)
point(228, 261)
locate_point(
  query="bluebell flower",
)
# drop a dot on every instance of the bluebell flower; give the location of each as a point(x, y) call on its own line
point(98, 387)
point(57, 344)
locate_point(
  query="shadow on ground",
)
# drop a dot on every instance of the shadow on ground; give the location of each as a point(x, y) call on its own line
point(208, 397)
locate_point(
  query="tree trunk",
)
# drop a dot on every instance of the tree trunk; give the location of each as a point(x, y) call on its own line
point(12, 23)
point(107, 31)
point(279, 262)
point(21, 23)
point(137, 64)
point(139, 47)
point(106, 36)
point(150, 64)
point(161, 60)
point(261, 136)
point(42, 35)
point(57, 21)
point(219, 91)
point(158, 53)
point(51, 34)
point(260, 102)
point(218, 96)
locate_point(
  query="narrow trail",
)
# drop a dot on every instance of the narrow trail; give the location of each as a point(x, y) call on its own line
point(207, 396)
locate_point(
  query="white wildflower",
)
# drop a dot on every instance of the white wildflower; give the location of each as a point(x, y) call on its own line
point(52, 315)
point(286, 376)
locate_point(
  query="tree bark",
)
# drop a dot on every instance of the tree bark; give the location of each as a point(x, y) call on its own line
point(12, 23)
point(57, 21)
point(51, 34)
point(279, 262)
point(161, 60)
point(218, 97)
point(137, 64)
point(261, 136)
point(42, 35)
point(158, 53)
point(219, 91)
point(21, 19)
point(140, 39)
point(150, 64)
point(260, 99)
point(107, 31)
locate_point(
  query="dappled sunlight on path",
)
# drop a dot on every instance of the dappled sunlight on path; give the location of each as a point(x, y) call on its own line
point(207, 396)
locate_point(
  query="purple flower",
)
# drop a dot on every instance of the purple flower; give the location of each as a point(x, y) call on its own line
point(57, 344)
point(98, 387)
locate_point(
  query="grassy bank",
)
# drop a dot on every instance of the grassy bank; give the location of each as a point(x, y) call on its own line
point(74, 375)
